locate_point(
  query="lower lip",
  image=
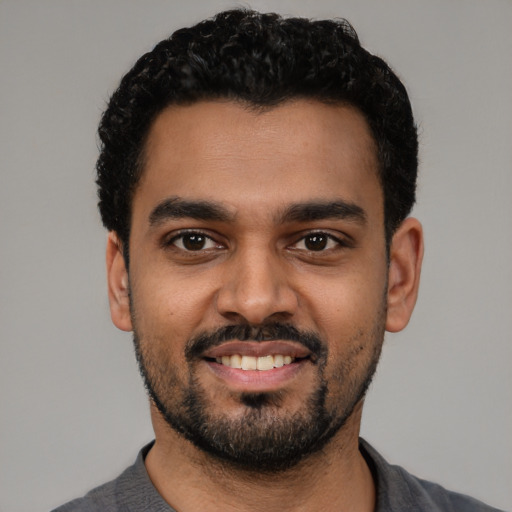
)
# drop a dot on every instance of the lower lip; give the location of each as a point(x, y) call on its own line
point(258, 380)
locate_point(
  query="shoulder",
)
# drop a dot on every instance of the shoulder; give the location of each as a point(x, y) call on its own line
point(437, 498)
point(101, 498)
point(132, 490)
point(105, 498)
point(398, 490)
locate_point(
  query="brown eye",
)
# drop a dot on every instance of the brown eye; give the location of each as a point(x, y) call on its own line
point(193, 242)
point(316, 242)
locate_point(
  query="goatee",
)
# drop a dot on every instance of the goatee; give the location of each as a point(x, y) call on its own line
point(261, 439)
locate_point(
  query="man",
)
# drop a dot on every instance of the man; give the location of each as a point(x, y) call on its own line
point(255, 175)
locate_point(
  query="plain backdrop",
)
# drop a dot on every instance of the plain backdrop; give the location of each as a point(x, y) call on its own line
point(73, 409)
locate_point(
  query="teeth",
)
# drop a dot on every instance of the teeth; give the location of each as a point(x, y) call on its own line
point(236, 361)
point(249, 363)
point(265, 363)
point(255, 363)
point(278, 361)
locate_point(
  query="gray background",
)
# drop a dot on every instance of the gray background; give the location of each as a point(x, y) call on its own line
point(73, 410)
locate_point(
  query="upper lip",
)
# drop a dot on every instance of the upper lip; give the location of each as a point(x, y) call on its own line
point(258, 349)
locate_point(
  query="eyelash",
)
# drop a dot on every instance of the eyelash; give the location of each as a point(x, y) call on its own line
point(180, 236)
point(340, 242)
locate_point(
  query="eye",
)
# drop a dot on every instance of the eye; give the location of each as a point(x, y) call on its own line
point(193, 241)
point(317, 242)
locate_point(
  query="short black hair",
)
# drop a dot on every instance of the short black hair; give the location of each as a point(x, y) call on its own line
point(262, 60)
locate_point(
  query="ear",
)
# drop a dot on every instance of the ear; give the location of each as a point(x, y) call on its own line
point(118, 286)
point(406, 255)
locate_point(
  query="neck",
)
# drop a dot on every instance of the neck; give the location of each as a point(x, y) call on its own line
point(335, 478)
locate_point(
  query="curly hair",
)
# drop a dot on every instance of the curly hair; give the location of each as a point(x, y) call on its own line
point(262, 60)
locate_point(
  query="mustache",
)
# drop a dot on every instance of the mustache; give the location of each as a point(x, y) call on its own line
point(268, 332)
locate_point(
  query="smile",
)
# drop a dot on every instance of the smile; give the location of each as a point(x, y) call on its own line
point(250, 366)
point(262, 363)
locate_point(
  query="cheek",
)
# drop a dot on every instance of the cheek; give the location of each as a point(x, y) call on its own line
point(354, 330)
point(166, 296)
point(346, 307)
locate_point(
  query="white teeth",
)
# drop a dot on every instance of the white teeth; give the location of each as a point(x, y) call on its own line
point(265, 363)
point(255, 363)
point(249, 363)
point(236, 361)
point(278, 361)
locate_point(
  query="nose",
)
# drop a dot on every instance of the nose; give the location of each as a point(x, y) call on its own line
point(256, 289)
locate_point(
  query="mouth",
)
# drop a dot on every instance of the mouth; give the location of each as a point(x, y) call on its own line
point(258, 366)
point(263, 363)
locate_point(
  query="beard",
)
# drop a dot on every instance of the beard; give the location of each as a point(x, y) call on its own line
point(263, 438)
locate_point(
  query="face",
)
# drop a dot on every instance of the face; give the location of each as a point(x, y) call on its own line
point(258, 279)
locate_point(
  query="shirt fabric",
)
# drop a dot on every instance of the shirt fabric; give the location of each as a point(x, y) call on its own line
point(397, 491)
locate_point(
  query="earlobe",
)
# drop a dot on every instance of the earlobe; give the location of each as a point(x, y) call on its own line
point(118, 284)
point(406, 255)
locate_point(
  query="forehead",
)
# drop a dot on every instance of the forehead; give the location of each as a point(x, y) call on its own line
point(258, 159)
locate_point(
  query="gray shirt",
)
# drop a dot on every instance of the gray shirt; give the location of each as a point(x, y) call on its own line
point(397, 491)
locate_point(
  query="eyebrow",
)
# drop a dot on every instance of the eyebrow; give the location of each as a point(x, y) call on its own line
point(178, 208)
point(322, 210)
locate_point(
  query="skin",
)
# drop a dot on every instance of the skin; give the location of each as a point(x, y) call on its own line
point(257, 268)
